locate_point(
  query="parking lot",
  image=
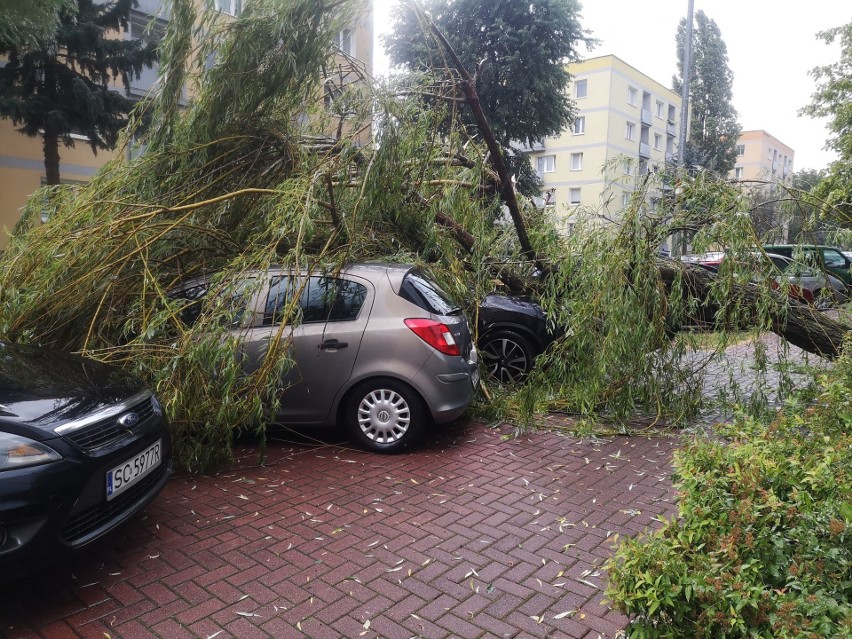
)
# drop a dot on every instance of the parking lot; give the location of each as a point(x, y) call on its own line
point(477, 534)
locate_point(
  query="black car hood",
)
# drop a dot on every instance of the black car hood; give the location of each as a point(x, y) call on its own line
point(505, 306)
point(41, 389)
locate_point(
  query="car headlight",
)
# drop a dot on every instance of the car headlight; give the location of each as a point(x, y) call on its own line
point(18, 452)
point(158, 407)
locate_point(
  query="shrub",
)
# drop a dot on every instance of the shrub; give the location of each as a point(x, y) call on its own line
point(762, 546)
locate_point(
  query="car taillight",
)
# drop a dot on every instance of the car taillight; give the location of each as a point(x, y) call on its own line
point(436, 334)
point(802, 293)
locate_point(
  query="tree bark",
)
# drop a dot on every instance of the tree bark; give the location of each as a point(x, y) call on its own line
point(51, 157)
point(505, 186)
point(801, 325)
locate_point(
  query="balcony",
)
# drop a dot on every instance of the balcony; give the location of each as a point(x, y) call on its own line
point(646, 117)
point(644, 150)
point(523, 147)
point(670, 128)
point(671, 158)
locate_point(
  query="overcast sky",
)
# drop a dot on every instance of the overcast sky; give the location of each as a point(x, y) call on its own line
point(771, 47)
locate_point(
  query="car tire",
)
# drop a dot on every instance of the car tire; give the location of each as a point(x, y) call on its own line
point(384, 415)
point(508, 356)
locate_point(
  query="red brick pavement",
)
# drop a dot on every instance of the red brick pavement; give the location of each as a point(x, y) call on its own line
point(471, 536)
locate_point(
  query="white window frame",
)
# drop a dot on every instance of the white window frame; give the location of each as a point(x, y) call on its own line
point(630, 130)
point(578, 93)
point(231, 7)
point(346, 42)
point(659, 113)
point(572, 200)
point(628, 169)
point(545, 164)
point(579, 127)
point(741, 149)
point(632, 95)
point(576, 161)
point(657, 141)
point(738, 173)
point(625, 199)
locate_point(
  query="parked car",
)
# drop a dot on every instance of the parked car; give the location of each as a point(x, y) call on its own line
point(378, 348)
point(810, 284)
point(512, 332)
point(83, 447)
point(806, 283)
point(823, 258)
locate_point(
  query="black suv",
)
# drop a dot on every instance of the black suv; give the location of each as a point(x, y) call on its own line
point(512, 333)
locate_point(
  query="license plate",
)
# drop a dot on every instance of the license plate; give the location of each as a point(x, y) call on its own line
point(125, 475)
point(474, 378)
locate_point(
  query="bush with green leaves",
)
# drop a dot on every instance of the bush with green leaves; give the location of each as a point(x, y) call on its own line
point(762, 544)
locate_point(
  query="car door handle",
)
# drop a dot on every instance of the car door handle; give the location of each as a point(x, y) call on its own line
point(330, 344)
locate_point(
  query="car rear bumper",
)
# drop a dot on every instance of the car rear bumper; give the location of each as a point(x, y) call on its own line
point(448, 390)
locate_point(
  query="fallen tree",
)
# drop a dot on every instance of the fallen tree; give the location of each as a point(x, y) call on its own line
point(241, 179)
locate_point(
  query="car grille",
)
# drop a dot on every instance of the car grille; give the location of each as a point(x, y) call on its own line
point(107, 431)
point(84, 523)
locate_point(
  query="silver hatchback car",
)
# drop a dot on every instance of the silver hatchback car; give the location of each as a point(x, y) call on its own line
point(377, 348)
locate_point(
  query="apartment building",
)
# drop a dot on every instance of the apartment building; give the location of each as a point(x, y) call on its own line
point(21, 157)
point(762, 157)
point(626, 126)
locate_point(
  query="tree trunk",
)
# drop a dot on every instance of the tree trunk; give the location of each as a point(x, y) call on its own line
point(51, 157)
point(801, 325)
point(495, 151)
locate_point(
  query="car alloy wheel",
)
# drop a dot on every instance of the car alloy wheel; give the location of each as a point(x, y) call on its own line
point(507, 356)
point(384, 415)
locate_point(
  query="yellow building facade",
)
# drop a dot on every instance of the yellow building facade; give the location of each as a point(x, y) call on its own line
point(21, 157)
point(762, 157)
point(626, 122)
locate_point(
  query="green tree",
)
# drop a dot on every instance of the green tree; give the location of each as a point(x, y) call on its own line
point(833, 100)
point(714, 127)
point(63, 87)
point(517, 52)
point(33, 21)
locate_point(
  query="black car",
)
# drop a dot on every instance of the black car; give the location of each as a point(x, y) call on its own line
point(512, 333)
point(83, 447)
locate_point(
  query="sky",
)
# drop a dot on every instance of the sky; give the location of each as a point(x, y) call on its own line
point(771, 47)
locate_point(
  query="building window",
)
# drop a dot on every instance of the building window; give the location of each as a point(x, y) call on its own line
point(231, 7)
point(631, 96)
point(579, 125)
point(346, 43)
point(658, 139)
point(630, 131)
point(576, 161)
point(659, 112)
point(738, 172)
point(627, 167)
point(546, 164)
point(741, 149)
point(581, 88)
point(625, 199)
point(574, 197)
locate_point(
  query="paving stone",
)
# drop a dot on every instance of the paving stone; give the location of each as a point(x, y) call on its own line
point(465, 537)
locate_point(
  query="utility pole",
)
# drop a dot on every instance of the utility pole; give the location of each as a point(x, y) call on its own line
point(684, 90)
point(679, 241)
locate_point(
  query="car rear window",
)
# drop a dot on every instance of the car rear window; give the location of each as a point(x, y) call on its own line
point(419, 290)
point(322, 299)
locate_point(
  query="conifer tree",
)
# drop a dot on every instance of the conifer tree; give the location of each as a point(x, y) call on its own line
point(714, 126)
point(53, 89)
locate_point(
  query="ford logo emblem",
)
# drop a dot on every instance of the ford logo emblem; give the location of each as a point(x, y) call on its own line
point(128, 420)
